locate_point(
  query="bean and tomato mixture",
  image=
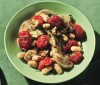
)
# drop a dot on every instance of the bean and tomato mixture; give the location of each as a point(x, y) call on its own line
point(50, 42)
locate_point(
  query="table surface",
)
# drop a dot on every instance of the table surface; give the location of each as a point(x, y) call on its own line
point(10, 76)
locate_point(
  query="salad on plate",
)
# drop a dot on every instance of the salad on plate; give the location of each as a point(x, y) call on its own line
point(50, 42)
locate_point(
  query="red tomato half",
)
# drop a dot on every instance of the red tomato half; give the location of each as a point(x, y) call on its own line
point(78, 31)
point(42, 42)
point(45, 62)
point(39, 18)
point(55, 20)
point(24, 40)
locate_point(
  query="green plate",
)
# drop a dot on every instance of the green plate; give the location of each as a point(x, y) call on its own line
point(12, 49)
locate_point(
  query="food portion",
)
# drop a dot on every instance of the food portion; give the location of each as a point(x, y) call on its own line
point(50, 42)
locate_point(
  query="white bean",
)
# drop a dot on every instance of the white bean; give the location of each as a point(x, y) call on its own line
point(58, 68)
point(21, 54)
point(72, 36)
point(46, 26)
point(65, 38)
point(79, 43)
point(36, 58)
point(32, 63)
point(29, 54)
point(75, 48)
point(46, 69)
point(51, 54)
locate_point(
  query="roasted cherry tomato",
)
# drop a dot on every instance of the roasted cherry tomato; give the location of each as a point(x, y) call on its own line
point(45, 62)
point(55, 20)
point(70, 44)
point(42, 42)
point(76, 57)
point(39, 18)
point(24, 40)
point(78, 31)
